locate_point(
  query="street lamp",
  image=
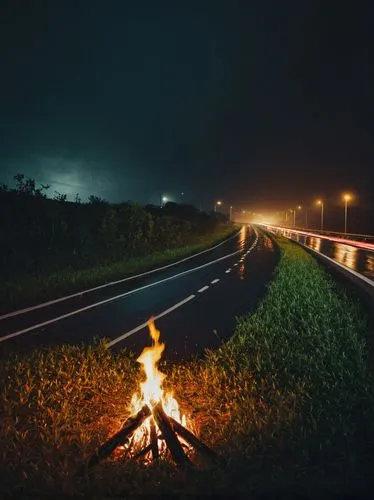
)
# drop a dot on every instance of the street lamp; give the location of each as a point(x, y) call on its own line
point(306, 217)
point(230, 213)
point(320, 202)
point(292, 211)
point(299, 207)
point(217, 203)
point(346, 197)
point(163, 200)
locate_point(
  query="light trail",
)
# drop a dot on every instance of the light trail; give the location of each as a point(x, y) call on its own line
point(345, 241)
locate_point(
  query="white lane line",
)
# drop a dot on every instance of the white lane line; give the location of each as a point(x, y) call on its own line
point(82, 292)
point(352, 271)
point(143, 325)
point(111, 299)
point(235, 264)
point(228, 271)
point(215, 281)
point(203, 289)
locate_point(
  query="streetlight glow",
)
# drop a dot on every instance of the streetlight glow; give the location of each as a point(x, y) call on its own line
point(346, 197)
point(320, 202)
point(219, 202)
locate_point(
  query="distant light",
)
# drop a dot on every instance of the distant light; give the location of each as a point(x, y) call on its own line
point(164, 199)
point(299, 207)
point(347, 197)
point(319, 202)
point(219, 202)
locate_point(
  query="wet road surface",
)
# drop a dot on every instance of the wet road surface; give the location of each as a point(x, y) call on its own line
point(350, 255)
point(197, 300)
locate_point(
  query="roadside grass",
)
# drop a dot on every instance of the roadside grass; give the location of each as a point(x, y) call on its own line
point(31, 290)
point(288, 400)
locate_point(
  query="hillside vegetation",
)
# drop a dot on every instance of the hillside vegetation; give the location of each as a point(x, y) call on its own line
point(49, 246)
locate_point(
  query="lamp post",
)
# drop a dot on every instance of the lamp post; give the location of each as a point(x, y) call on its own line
point(230, 213)
point(217, 203)
point(320, 202)
point(346, 198)
point(163, 200)
point(299, 207)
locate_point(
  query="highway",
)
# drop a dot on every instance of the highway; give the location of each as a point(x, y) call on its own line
point(354, 256)
point(194, 301)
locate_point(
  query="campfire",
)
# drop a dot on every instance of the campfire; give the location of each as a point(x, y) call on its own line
point(156, 429)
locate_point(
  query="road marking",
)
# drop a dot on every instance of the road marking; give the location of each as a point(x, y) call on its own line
point(143, 325)
point(355, 273)
point(235, 264)
point(111, 299)
point(228, 271)
point(215, 281)
point(82, 292)
point(203, 289)
point(355, 243)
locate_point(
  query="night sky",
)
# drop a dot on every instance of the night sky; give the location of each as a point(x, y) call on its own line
point(257, 103)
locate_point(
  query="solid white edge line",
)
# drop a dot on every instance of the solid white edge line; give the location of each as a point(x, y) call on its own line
point(355, 273)
point(215, 281)
point(82, 292)
point(111, 299)
point(143, 325)
point(369, 247)
point(203, 289)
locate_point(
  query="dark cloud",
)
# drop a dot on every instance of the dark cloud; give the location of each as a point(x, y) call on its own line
point(263, 101)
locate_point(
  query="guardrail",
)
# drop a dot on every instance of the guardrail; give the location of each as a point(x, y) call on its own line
point(365, 244)
point(352, 236)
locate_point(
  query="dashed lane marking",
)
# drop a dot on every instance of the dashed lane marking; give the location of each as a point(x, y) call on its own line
point(111, 299)
point(143, 325)
point(128, 278)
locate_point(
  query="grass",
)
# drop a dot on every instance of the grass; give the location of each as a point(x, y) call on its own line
point(288, 400)
point(31, 290)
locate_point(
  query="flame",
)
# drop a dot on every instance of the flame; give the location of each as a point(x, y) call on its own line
point(152, 391)
point(149, 358)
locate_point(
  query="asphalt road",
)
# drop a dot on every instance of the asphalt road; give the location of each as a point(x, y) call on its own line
point(195, 303)
point(355, 255)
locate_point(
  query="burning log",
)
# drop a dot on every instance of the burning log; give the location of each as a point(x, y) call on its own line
point(147, 449)
point(194, 441)
point(161, 426)
point(176, 450)
point(121, 437)
point(143, 452)
point(154, 439)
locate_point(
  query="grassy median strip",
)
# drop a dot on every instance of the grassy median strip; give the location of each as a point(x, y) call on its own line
point(34, 289)
point(288, 400)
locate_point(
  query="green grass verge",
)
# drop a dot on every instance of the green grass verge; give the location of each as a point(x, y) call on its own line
point(288, 400)
point(30, 290)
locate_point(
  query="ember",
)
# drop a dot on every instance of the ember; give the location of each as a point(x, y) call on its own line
point(156, 427)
